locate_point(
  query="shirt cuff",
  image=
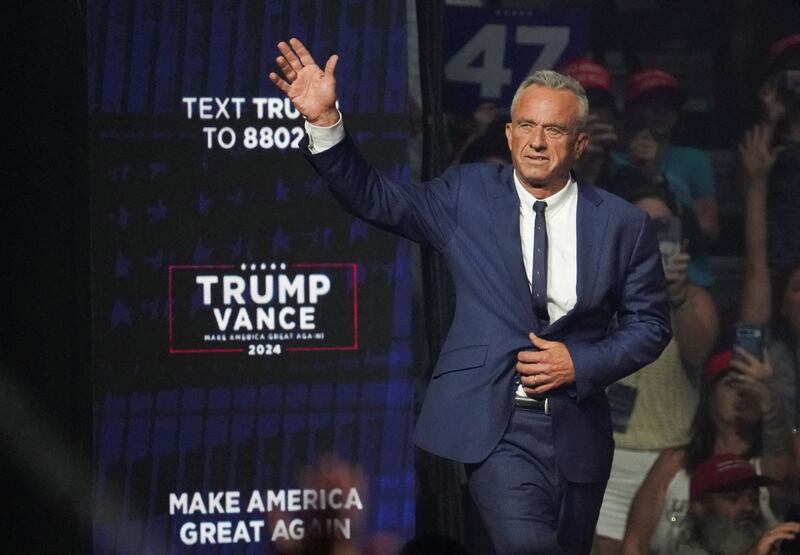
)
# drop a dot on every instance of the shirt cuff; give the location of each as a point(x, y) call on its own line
point(321, 139)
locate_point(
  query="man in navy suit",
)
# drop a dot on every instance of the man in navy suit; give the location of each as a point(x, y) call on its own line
point(559, 293)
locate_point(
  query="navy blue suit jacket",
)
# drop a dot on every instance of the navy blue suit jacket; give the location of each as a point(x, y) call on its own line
point(470, 214)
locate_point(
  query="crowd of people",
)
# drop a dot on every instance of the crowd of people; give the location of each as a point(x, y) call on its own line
point(722, 481)
point(707, 457)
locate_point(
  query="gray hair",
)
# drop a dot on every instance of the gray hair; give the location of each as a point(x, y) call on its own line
point(550, 79)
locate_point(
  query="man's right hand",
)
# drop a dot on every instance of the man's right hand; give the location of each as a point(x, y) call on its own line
point(311, 90)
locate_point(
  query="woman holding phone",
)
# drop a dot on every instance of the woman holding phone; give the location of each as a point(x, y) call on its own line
point(739, 413)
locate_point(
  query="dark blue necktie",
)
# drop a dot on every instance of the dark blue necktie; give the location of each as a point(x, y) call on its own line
point(539, 273)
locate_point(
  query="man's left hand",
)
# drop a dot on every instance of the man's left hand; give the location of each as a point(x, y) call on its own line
point(548, 368)
point(784, 531)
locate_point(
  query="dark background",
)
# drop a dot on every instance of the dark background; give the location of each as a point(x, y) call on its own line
point(45, 388)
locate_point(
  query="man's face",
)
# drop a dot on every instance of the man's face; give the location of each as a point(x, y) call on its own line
point(729, 522)
point(544, 139)
point(741, 507)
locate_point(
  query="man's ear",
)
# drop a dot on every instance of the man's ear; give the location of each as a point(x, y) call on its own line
point(509, 131)
point(581, 143)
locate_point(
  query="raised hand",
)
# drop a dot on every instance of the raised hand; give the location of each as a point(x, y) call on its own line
point(602, 136)
point(311, 89)
point(643, 149)
point(756, 152)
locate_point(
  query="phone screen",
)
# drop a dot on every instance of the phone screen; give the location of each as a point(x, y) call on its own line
point(792, 77)
point(750, 337)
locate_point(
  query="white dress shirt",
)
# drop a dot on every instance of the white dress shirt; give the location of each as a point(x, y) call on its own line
point(321, 139)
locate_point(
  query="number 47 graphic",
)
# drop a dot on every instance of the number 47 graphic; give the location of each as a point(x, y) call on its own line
point(490, 43)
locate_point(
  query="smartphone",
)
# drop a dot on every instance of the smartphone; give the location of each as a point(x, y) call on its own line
point(622, 400)
point(792, 80)
point(750, 337)
point(668, 233)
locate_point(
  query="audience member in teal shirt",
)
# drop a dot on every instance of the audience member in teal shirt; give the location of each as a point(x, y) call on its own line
point(653, 100)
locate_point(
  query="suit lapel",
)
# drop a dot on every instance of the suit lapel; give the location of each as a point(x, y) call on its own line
point(591, 230)
point(505, 215)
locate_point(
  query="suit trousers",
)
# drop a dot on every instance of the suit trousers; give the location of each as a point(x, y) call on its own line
point(527, 505)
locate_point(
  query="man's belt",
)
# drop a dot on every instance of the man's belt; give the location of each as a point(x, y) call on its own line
point(531, 403)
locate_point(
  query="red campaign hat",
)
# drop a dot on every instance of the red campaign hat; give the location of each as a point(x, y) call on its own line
point(649, 80)
point(782, 45)
point(718, 364)
point(724, 472)
point(589, 74)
